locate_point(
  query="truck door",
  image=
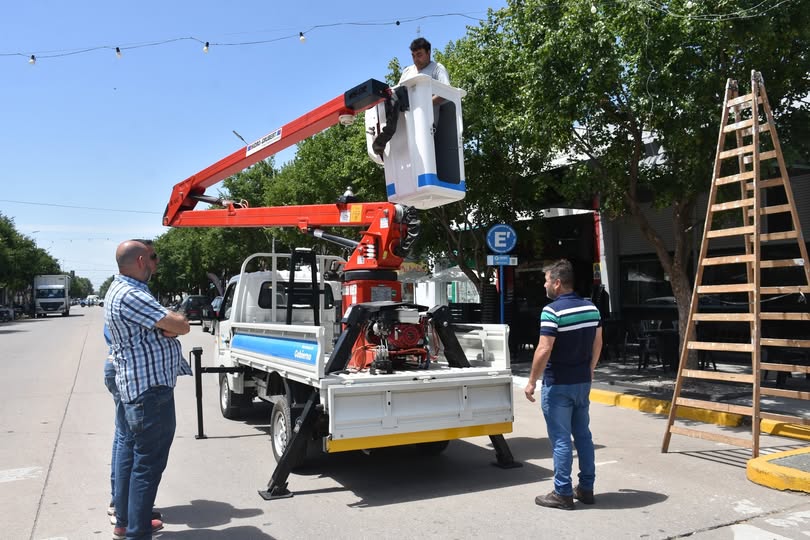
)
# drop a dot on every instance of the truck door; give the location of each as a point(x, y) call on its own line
point(223, 329)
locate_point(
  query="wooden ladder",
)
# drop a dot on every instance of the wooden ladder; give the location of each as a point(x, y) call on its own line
point(737, 213)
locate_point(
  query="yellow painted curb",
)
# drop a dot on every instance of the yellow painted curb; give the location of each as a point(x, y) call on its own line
point(659, 406)
point(761, 471)
point(794, 431)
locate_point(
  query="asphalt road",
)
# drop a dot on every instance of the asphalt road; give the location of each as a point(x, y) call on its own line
point(56, 424)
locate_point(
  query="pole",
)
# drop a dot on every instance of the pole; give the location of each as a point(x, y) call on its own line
point(198, 371)
point(500, 286)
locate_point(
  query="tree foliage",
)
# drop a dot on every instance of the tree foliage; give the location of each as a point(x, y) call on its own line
point(597, 81)
point(21, 259)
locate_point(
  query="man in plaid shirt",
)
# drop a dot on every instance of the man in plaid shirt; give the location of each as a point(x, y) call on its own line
point(148, 358)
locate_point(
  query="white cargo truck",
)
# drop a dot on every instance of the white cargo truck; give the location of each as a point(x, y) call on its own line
point(397, 374)
point(52, 295)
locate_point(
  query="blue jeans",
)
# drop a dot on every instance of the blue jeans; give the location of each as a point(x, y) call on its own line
point(109, 382)
point(147, 425)
point(565, 408)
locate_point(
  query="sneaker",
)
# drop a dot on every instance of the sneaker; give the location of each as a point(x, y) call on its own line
point(555, 500)
point(111, 509)
point(120, 533)
point(584, 496)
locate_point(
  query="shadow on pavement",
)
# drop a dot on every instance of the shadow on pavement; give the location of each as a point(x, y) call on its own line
point(625, 499)
point(231, 533)
point(202, 514)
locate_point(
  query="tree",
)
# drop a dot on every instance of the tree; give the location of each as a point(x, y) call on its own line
point(80, 287)
point(596, 79)
point(102, 291)
point(21, 259)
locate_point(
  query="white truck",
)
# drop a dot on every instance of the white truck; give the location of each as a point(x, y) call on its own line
point(52, 295)
point(346, 363)
point(399, 374)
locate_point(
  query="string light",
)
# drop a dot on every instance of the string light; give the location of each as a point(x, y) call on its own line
point(593, 9)
point(689, 4)
point(118, 52)
point(301, 35)
point(32, 60)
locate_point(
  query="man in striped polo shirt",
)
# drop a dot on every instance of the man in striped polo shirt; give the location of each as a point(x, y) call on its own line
point(566, 355)
point(148, 358)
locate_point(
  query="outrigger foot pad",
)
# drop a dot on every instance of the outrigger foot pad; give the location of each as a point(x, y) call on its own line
point(277, 492)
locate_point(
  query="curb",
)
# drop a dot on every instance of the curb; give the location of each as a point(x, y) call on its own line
point(659, 406)
point(761, 471)
point(794, 431)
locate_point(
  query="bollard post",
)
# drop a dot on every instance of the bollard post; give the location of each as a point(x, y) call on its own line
point(198, 370)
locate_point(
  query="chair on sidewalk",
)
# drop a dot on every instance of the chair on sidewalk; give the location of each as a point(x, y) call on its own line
point(638, 341)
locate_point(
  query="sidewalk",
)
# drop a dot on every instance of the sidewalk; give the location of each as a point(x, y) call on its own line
point(649, 390)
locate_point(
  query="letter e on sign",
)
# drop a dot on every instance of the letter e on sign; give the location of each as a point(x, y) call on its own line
point(501, 238)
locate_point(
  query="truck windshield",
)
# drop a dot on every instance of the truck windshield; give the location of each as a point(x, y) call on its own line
point(50, 293)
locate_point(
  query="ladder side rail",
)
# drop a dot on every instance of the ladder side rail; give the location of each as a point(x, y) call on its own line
point(755, 306)
point(690, 334)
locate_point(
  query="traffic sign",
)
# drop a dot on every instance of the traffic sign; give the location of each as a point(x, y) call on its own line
point(501, 260)
point(501, 238)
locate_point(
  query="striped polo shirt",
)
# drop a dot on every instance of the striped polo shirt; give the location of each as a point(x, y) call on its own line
point(142, 355)
point(572, 321)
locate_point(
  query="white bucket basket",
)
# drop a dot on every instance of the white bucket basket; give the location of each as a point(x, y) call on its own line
point(424, 160)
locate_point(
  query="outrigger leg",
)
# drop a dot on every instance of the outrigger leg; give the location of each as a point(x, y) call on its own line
point(277, 486)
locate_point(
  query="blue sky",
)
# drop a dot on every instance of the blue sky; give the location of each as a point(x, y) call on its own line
point(113, 135)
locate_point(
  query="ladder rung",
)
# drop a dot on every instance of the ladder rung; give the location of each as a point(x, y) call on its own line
point(781, 392)
point(787, 368)
point(785, 418)
point(769, 183)
point(776, 209)
point(732, 205)
point(738, 125)
point(733, 287)
point(729, 259)
point(770, 154)
point(775, 316)
point(794, 343)
point(747, 98)
point(772, 237)
point(785, 289)
point(724, 317)
point(717, 346)
point(750, 131)
point(717, 376)
point(736, 151)
point(715, 406)
point(735, 178)
point(781, 263)
point(711, 436)
point(733, 231)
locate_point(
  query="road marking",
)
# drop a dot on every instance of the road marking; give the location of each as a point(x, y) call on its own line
point(745, 506)
point(605, 463)
point(26, 473)
point(749, 532)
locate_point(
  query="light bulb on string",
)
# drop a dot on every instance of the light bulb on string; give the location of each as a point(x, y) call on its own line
point(689, 4)
point(118, 52)
point(205, 47)
point(593, 9)
point(301, 37)
point(32, 60)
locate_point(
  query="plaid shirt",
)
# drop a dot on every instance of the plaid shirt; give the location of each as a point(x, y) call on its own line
point(142, 355)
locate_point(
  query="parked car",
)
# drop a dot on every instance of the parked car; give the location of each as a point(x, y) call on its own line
point(193, 305)
point(209, 324)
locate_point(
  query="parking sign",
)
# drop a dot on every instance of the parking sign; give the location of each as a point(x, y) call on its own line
point(501, 238)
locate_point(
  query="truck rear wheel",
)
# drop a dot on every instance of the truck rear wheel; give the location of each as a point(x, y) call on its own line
point(229, 402)
point(281, 429)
